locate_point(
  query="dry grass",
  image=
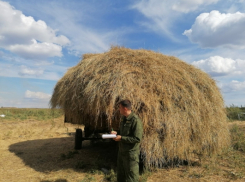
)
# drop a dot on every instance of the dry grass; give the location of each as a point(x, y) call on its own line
point(32, 150)
point(42, 151)
point(181, 107)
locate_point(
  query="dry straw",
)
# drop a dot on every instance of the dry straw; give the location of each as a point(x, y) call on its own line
point(181, 107)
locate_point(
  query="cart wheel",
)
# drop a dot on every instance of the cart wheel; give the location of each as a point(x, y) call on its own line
point(78, 139)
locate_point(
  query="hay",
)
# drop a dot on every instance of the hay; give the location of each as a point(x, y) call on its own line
point(181, 107)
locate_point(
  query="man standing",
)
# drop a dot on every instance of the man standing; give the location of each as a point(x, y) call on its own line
point(131, 131)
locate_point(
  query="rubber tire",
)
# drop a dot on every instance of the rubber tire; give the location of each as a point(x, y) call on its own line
point(78, 139)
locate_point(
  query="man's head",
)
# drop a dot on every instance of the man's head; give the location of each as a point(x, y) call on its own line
point(125, 107)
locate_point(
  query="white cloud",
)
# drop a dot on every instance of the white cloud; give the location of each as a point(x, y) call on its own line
point(26, 37)
point(158, 12)
point(84, 38)
point(45, 72)
point(190, 5)
point(215, 29)
point(162, 14)
point(36, 50)
point(219, 66)
point(88, 41)
point(36, 95)
point(233, 86)
point(87, 29)
point(27, 71)
point(1, 54)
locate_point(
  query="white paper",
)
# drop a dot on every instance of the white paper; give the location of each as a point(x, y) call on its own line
point(2, 115)
point(105, 136)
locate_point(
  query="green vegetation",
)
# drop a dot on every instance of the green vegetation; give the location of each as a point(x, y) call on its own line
point(235, 113)
point(29, 113)
point(111, 176)
point(238, 138)
point(88, 178)
point(144, 176)
point(231, 163)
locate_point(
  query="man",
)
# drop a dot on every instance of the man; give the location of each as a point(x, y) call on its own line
point(131, 131)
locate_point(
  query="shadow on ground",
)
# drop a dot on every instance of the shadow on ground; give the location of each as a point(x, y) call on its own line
point(55, 154)
point(58, 180)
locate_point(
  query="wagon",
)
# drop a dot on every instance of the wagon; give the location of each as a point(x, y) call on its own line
point(88, 133)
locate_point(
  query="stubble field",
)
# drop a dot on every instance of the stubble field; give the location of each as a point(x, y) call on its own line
point(42, 150)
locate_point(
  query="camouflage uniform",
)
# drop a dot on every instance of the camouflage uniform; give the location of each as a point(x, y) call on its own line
point(131, 131)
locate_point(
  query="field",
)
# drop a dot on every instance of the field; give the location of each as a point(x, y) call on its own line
point(36, 146)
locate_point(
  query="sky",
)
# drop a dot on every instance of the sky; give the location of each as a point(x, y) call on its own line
point(40, 40)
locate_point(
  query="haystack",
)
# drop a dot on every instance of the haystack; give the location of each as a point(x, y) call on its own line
point(181, 107)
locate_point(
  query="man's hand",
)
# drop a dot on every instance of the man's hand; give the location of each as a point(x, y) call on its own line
point(118, 138)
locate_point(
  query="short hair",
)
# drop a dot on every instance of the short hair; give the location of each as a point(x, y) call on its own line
point(126, 103)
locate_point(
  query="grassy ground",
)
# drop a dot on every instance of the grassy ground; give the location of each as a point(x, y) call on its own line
point(42, 150)
point(18, 114)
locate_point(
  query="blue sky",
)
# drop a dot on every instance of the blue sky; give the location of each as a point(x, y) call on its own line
point(40, 40)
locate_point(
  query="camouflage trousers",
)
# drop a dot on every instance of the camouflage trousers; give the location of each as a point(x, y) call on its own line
point(128, 167)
